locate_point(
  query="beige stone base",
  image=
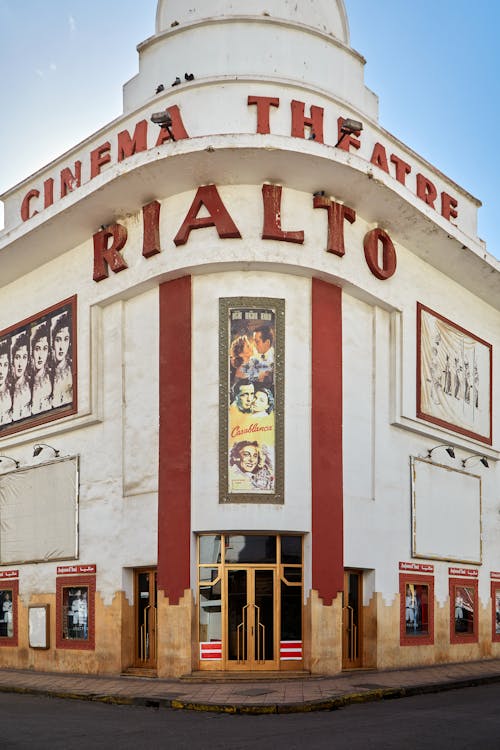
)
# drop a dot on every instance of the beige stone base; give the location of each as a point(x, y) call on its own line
point(178, 641)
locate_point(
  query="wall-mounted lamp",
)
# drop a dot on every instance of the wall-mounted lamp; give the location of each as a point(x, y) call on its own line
point(164, 120)
point(448, 448)
point(10, 459)
point(482, 459)
point(38, 448)
point(349, 127)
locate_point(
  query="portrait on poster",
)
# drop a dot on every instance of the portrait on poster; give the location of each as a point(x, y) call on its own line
point(454, 370)
point(37, 368)
point(251, 405)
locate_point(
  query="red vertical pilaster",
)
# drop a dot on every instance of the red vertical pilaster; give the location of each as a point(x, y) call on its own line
point(326, 427)
point(174, 468)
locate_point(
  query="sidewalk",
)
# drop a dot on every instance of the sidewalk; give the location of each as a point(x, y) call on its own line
point(257, 696)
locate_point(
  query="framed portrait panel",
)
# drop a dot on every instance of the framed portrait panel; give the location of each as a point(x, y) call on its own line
point(9, 590)
point(38, 368)
point(454, 376)
point(495, 607)
point(75, 612)
point(417, 609)
point(251, 370)
point(463, 610)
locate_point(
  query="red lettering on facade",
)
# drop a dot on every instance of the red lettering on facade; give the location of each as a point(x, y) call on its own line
point(71, 180)
point(379, 157)
point(371, 248)
point(151, 229)
point(345, 140)
point(127, 145)
point(25, 205)
point(426, 190)
point(449, 206)
point(106, 255)
point(402, 168)
point(272, 230)
point(337, 214)
point(300, 121)
point(48, 192)
point(263, 104)
point(98, 157)
point(207, 196)
point(177, 128)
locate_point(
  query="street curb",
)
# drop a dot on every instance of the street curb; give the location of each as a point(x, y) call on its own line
point(325, 704)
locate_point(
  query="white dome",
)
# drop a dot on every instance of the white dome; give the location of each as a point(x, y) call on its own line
point(326, 15)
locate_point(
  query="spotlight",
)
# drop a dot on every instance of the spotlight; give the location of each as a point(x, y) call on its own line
point(10, 459)
point(164, 120)
point(38, 448)
point(448, 448)
point(349, 127)
point(482, 459)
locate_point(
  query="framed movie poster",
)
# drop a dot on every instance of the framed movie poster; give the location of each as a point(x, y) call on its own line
point(454, 376)
point(38, 368)
point(251, 400)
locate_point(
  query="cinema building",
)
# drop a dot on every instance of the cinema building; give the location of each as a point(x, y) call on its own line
point(248, 345)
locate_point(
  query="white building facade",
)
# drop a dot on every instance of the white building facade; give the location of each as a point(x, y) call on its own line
point(255, 348)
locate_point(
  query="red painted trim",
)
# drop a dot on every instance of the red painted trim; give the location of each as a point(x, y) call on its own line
point(426, 639)
point(72, 582)
point(470, 583)
point(174, 471)
point(326, 427)
point(9, 585)
point(488, 439)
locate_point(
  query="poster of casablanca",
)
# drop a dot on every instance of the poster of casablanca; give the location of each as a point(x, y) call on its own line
point(38, 369)
point(251, 408)
point(454, 376)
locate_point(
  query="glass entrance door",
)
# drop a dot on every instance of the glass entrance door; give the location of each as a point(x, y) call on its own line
point(251, 621)
point(250, 601)
point(145, 618)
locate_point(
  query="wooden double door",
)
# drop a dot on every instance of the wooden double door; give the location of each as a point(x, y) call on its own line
point(251, 606)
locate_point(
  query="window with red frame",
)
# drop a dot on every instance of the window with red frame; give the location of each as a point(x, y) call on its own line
point(417, 610)
point(75, 612)
point(495, 606)
point(8, 615)
point(463, 611)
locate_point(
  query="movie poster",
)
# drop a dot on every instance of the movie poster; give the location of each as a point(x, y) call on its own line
point(453, 376)
point(251, 400)
point(38, 368)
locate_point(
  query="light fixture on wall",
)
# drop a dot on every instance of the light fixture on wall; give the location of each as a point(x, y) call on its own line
point(38, 448)
point(164, 120)
point(349, 127)
point(10, 459)
point(482, 459)
point(448, 448)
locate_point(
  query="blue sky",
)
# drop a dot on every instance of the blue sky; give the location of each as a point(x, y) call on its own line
point(434, 65)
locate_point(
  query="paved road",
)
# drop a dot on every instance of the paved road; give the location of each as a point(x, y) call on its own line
point(456, 720)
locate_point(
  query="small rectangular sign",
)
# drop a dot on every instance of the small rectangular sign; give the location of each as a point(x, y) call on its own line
point(416, 567)
point(9, 575)
point(211, 650)
point(67, 570)
point(464, 572)
point(290, 650)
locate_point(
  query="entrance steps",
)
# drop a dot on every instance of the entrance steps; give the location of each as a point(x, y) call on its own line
point(213, 676)
point(139, 672)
